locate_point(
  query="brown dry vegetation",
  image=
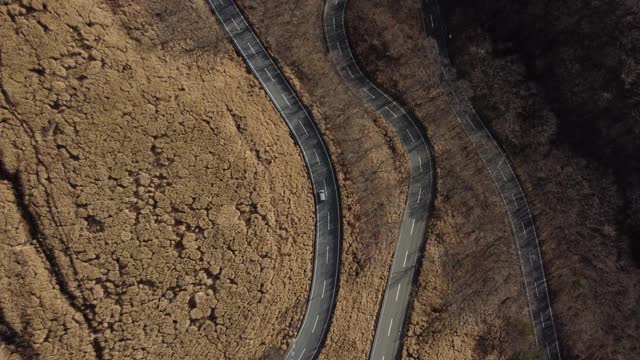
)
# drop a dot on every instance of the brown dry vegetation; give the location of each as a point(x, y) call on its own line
point(469, 302)
point(558, 81)
point(153, 204)
point(370, 162)
point(470, 251)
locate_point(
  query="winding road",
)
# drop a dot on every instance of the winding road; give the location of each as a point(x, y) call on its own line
point(392, 316)
point(497, 163)
point(322, 294)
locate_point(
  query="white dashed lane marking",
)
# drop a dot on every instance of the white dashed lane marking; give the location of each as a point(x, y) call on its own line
point(269, 74)
point(303, 127)
point(302, 353)
point(411, 136)
point(236, 24)
point(391, 111)
point(253, 51)
point(369, 93)
point(328, 221)
point(350, 73)
point(285, 99)
point(501, 173)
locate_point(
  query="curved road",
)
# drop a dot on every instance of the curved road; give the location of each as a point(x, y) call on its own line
point(391, 318)
point(328, 235)
point(500, 169)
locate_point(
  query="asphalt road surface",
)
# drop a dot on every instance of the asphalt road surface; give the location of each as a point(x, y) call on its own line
point(322, 294)
point(392, 316)
point(500, 169)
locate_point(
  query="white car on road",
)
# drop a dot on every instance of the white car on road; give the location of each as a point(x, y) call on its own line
point(323, 195)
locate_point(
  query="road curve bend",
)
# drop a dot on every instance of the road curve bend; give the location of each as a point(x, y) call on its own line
point(497, 163)
point(393, 314)
point(322, 294)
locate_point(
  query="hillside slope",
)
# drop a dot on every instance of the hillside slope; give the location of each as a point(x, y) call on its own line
point(153, 203)
point(559, 81)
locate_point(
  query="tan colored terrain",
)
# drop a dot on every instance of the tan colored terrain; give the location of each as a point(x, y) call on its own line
point(370, 162)
point(153, 204)
point(470, 301)
point(582, 205)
